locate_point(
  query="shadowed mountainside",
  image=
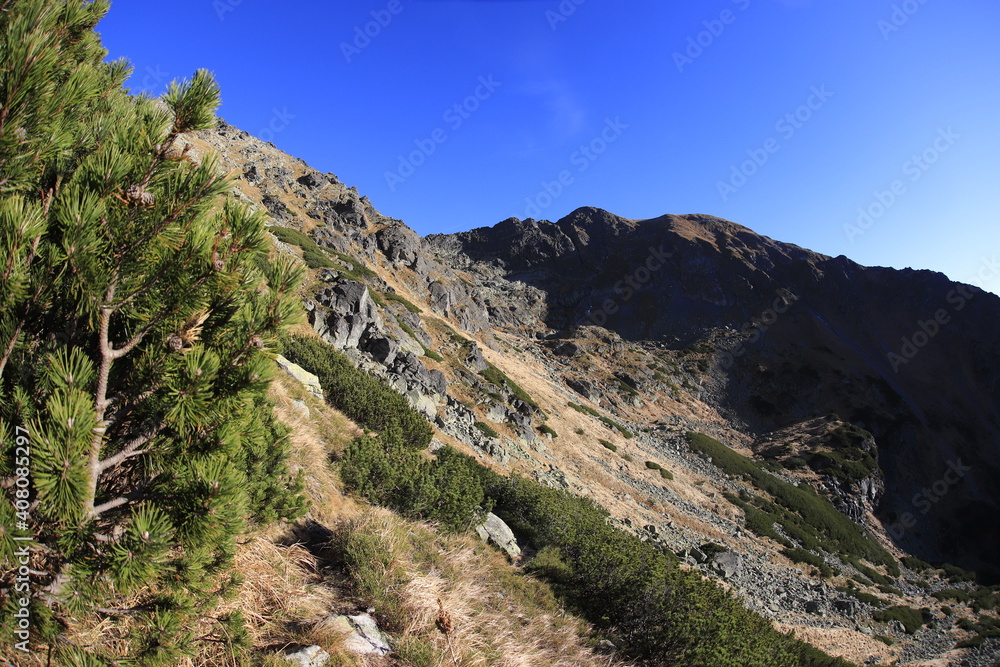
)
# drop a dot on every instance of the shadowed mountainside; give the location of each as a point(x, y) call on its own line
point(908, 355)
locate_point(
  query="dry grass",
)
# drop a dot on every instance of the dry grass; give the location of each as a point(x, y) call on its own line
point(318, 433)
point(422, 582)
point(282, 597)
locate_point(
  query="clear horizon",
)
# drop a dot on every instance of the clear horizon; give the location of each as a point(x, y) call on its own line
point(857, 129)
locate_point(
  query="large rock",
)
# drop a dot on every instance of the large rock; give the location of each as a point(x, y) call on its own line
point(475, 358)
point(728, 564)
point(496, 532)
point(352, 315)
point(361, 634)
point(308, 380)
point(306, 656)
point(402, 246)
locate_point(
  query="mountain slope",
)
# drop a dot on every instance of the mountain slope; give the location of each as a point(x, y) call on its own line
point(574, 352)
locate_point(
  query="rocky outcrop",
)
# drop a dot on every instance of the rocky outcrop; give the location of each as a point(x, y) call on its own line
point(348, 315)
point(402, 246)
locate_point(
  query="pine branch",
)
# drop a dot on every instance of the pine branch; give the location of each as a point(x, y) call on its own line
point(135, 495)
point(100, 401)
point(110, 505)
point(169, 220)
point(130, 450)
point(118, 416)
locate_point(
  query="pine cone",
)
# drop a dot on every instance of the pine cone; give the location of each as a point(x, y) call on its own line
point(136, 194)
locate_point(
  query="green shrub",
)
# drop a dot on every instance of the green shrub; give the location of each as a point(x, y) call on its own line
point(486, 430)
point(624, 386)
point(314, 256)
point(447, 489)
point(405, 327)
point(956, 574)
point(579, 431)
point(861, 596)
point(888, 641)
point(292, 236)
point(358, 271)
point(666, 474)
point(911, 618)
point(795, 463)
point(316, 259)
point(985, 629)
point(972, 642)
point(978, 599)
point(498, 378)
point(652, 465)
point(809, 515)
point(615, 425)
point(391, 296)
point(609, 445)
point(550, 564)
point(915, 564)
point(548, 430)
point(368, 400)
point(661, 613)
point(757, 521)
point(377, 298)
point(803, 556)
point(585, 409)
point(431, 354)
point(711, 549)
point(871, 574)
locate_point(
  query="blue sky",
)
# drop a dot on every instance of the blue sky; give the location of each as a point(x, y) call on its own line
point(792, 117)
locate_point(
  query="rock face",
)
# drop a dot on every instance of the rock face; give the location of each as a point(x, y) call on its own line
point(497, 533)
